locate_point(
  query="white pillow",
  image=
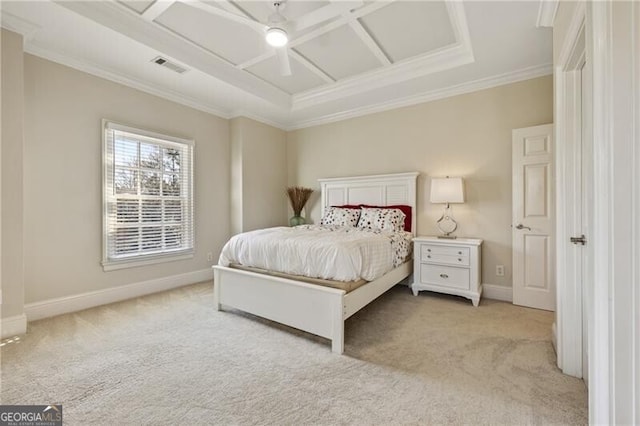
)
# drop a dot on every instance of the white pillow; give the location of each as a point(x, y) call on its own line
point(391, 220)
point(339, 216)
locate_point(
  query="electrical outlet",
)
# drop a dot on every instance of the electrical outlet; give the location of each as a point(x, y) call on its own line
point(209, 257)
point(500, 270)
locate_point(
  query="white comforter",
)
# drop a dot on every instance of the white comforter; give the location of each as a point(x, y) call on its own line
point(332, 253)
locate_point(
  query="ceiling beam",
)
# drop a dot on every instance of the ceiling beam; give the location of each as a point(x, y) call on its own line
point(157, 9)
point(311, 66)
point(234, 8)
point(235, 17)
point(366, 38)
point(344, 19)
point(324, 13)
point(458, 21)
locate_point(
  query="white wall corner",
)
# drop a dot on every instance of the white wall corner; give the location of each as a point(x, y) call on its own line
point(13, 326)
point(497, 292)
point(63, 305)
point(547, 13)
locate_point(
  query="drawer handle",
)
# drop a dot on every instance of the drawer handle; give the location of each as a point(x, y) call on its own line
point(459, 260)
point(444, 276)
point(429, 250)
point(459, 252)
point(429, 256)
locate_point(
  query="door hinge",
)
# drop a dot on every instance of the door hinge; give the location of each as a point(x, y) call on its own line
point(579, 240)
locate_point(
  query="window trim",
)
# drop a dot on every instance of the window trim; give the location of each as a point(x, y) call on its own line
point(142, 259)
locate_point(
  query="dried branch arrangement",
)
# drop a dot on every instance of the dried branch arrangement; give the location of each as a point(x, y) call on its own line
point(298, 196)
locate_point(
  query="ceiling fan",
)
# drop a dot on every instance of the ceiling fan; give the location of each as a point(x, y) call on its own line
point(277, 36)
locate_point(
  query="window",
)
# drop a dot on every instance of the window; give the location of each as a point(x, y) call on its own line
point(148, 197)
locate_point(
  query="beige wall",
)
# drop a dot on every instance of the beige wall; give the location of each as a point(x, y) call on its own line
point(63, 169)
point(12, 193)
point(259, 175)
point(242, 167)
point(467, 135)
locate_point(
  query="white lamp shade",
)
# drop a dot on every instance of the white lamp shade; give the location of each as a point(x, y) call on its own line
point(277, 37)
point(447, 190)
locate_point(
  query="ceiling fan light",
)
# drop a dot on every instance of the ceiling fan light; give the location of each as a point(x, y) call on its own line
point(277, 37)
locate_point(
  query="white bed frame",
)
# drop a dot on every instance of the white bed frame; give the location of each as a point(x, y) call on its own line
point(313, 308)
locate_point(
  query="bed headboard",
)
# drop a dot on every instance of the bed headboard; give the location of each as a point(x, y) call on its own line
point(379, 190)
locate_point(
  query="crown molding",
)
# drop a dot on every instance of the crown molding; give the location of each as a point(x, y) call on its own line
point(442, 60)
point(116, 77)
point(547, 13)
point(458, 54)
point(18, 25)
point(459, 89)
point(259, 119)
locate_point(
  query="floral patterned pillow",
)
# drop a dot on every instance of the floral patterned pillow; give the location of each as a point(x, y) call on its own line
point(391, 220)
point(340, 217)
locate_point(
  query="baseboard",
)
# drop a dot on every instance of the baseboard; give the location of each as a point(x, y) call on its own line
point(497, 292)
point(13, 326)
point(78, 302)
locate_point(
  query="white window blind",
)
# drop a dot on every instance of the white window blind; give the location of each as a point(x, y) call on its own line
point(148, 195)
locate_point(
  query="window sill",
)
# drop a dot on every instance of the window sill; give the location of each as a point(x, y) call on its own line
point(113, 265)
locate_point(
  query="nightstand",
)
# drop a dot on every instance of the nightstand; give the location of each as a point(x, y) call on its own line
point(448, 266)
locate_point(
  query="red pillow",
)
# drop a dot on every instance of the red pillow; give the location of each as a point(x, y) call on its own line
point(402, 207)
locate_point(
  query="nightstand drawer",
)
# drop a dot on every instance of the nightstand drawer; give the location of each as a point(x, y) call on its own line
point(445, 276)
point(443, 250)
point(447, 255)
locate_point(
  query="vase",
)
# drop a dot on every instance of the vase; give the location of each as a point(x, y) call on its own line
point(296, 220)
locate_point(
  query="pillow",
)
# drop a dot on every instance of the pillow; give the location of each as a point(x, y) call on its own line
point(379, 219)
point(402, 207)
point(340, 216)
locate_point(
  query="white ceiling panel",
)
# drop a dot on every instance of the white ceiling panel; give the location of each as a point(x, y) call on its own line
point(340, 53)
point(301, 79)
point(409, 28)
point(291, 9)
point(137, 5)
point(233, 41)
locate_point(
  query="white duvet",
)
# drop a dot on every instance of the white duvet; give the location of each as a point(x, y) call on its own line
point(332, 253)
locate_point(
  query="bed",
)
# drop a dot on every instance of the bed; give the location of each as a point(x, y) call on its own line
point(317, 309)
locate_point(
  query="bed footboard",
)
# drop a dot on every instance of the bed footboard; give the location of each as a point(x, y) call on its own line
point(311, 308)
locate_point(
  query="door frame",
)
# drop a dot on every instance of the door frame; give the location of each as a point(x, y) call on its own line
point(568, 135)
point(614, 329)
point(612, 29)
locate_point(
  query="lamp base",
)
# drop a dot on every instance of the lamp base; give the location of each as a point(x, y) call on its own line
point(447, 237)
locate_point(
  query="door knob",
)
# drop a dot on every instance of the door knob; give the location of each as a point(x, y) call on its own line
point(521, 226)
point(579, 240)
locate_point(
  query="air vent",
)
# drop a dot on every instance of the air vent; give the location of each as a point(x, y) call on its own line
point(168, 64)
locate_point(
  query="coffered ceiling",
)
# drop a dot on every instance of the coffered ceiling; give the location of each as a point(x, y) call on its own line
point(346, 57)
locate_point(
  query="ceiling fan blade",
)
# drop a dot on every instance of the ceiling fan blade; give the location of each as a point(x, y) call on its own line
point(324, 13)
point(283, 60)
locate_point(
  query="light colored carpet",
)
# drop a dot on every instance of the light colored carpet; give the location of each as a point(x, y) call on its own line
point(170, 358)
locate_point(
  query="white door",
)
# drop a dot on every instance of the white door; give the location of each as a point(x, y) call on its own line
point(532, 221)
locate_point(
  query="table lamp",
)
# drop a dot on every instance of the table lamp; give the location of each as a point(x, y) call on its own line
point(446, 191)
